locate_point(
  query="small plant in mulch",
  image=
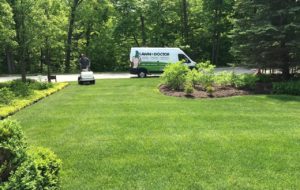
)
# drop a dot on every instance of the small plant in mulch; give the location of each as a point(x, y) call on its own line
point(210, 91)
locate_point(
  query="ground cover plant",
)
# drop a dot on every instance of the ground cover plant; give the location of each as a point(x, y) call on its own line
point(124, 134)
point(16, 94)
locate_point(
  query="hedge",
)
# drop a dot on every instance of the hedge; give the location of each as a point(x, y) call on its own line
point(289, 88)
point(20, 103)
point(22, 167)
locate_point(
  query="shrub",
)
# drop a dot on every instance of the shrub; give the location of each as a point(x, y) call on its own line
point(250, 80)
point(41, 85)
point(20, 88)
point(24, 177)
point(30, 81)
point(12, 148)
point(193, 76)
point(206, 76)
point(264, 78)
point(174, 75)
point(4, 85)
point(244, 80)
point(224, 78)
point(22, 169)
point(6, 96)
point(291, 88)
point(20, 103)
point(188, 88)
point(210, 90)
point(48, 167)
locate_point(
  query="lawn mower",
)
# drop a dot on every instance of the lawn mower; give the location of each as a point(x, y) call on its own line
point(86, 77)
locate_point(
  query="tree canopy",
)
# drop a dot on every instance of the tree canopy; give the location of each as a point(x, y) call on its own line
point(37, 33)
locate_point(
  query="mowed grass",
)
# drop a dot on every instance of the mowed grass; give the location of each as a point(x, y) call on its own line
point(123, 134)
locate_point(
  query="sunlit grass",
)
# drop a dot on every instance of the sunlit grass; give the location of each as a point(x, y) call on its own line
point(123, 134)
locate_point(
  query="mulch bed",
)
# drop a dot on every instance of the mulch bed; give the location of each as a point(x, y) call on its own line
point(219, 92)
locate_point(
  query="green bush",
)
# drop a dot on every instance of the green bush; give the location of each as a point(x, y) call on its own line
point(290, 88)
point(264, 78)
point(207, 73)
point(210, 90)
point(20, 103)
point(178, 77)
point(48, 167)
point(20, 88)
point(188, 88)
point(12, 148)
point(245, 80)
point(41, 85)
point(174, 75)
point(4, 85)
point(6, 96)
point(193, 76)
point(24, 177)
point(30, 81)
point(21, 168)
point(224, 78)
point(250, 80)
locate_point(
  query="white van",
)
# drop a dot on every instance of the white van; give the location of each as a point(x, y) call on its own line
point(147, 60)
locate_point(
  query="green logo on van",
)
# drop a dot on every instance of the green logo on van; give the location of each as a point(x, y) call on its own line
point(136, 60)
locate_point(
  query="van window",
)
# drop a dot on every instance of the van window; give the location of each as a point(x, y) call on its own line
point(183, 57)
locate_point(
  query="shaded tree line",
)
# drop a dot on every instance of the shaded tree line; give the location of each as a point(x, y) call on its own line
point(41, 35)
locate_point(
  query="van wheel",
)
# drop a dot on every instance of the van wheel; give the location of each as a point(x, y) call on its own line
point(142, 74)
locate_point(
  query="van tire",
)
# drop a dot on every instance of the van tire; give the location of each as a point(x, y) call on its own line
point(142, 74)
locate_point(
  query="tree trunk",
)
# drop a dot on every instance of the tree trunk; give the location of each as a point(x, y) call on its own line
point(285, 65)
point(216, 34)
point(9, 60)
point(88, 38)
point(136, 40)
point(47, 58)
point(42, 59)
point(284, 52)
point(23, 63)
point(70, 35)
point(286, 72)
point(23, 48)
point(48, 62)
point(19, 18)
point(185, 24)
point(144, 37)
point(217, 49)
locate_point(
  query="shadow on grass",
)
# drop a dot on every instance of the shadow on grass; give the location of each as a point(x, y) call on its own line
point(285, 98)
point(148, 76)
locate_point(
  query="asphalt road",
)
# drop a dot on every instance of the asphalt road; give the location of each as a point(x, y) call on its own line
point(73, 77)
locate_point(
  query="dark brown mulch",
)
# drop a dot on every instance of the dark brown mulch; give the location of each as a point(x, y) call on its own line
point(219, 92)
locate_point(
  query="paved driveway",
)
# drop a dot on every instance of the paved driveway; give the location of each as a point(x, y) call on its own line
point(73, 77)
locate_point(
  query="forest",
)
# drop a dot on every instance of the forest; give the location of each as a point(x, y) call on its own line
point(35, 34)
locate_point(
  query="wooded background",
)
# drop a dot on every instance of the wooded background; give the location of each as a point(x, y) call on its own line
point(34, 33)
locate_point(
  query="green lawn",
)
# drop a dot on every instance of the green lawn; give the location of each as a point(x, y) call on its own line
point(123, 134)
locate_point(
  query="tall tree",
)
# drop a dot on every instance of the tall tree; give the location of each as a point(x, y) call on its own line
point(22, 17)
point(267, 34)
point(7, 34)
point(74, 6)
point(51, 29)
point(185, 21)
point(216, 14)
